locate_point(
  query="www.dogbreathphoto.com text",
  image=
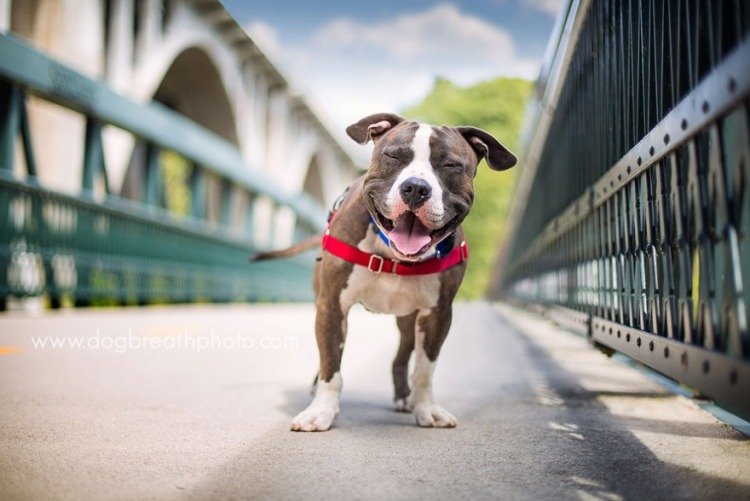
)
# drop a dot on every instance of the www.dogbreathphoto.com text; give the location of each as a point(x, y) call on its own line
point(197, 343)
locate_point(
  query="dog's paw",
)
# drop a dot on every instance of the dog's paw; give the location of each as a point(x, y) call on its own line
point(403, 405)
point(434, 416)
point(314, 418)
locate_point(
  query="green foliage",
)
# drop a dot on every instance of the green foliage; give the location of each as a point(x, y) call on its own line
point(496, 106)
point(104, 285)
point(176, 171)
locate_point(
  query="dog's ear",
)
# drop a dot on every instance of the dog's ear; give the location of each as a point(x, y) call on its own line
point(373, 126)
point(489, 148)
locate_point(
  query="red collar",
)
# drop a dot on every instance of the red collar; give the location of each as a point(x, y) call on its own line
point(378, 264)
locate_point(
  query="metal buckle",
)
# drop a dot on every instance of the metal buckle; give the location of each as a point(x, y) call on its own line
point(395, 263)
point(380, 266)
point(464, 251)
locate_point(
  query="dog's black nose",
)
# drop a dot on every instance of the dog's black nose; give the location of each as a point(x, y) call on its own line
point(414, 192)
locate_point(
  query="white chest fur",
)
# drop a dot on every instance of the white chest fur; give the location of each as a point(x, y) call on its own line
point(387, 293)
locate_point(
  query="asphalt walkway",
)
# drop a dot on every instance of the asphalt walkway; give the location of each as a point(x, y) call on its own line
point(195, 402)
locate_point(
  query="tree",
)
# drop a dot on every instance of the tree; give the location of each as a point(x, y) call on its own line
point(496, 106)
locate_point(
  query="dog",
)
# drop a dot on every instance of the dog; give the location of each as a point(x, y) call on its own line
point(395, 245)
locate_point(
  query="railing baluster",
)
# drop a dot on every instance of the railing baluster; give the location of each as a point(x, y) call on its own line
point(154, 186)
point(28, 147)
point(93, 157)
point(10, 119)
point(228, 201)
point(198, 188)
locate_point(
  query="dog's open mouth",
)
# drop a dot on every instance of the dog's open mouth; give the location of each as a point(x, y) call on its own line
point(408, 235)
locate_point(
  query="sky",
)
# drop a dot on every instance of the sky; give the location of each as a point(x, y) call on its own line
point(351, 58)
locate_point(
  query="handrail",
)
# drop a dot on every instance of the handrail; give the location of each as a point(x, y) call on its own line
point(84, 249)
point(153, 122)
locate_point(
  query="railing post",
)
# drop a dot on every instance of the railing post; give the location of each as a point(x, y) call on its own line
point(93, 160)
point(10, 119)
point(250, 215)
point(228, 196)
point(93, 157)
point(28, 147)
point(154, 195)
point(198, 193)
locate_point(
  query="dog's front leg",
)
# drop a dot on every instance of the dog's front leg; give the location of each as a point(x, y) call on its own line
point(400, 367)
point(431, 329)
point(330, 332)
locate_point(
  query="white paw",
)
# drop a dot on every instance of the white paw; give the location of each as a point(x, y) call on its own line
point(314, 418)
point(434, 416)
point(403, 405)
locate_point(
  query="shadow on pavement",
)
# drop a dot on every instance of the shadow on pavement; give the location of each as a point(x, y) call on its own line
point(515, 442)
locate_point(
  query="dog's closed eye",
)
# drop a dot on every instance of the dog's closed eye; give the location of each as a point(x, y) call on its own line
point(393, 156)
point(454, 165)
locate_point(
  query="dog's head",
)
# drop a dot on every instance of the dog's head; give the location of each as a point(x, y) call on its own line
point(420, 184)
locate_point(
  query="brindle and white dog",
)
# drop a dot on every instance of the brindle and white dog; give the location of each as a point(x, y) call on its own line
point(417, 191)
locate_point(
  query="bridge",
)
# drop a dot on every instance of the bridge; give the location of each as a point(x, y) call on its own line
point(611, 359)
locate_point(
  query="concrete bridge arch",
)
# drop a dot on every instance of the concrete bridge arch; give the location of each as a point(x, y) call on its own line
point(193, 87)
point(192, 56)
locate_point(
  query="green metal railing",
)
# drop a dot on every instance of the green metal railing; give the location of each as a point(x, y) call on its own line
point(87, 249)
point(634, 214)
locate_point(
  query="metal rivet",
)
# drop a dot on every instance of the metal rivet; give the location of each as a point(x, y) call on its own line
point(666, 352)
point(684, 124)
point(651, 346)
point(639, 161)
point(627, 337)
point(732, 85)
point(684, 359)
point(638, 342)
point(666, 138)
point(628, 170)
point(651, 151)
point(705, 107)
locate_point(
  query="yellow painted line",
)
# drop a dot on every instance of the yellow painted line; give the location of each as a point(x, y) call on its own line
point(9, 350)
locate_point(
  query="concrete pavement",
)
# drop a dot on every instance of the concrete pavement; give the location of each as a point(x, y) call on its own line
point(163, 406)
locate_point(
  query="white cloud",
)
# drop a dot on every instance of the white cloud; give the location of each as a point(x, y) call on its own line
point(350, 68)
point(551, 7)
point(441, 32)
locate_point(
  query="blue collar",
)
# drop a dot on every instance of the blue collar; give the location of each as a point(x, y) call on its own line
point(443, 247)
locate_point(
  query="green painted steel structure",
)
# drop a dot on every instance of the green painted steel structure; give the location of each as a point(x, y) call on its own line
point(640, 152)
point(92, 248)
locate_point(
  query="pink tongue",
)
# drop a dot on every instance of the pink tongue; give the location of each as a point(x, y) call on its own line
point(409, 235)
